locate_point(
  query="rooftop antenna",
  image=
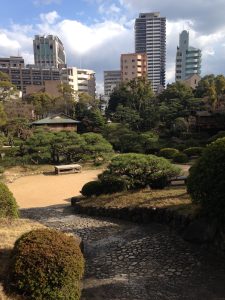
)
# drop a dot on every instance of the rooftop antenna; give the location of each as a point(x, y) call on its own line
point(18, 52)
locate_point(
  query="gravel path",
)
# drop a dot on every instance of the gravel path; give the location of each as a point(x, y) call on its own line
point(125, 261)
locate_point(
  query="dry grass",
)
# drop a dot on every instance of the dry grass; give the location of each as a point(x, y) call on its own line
point(174, 198)
point(10, 231)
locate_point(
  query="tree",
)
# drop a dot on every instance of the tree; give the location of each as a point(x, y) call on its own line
point(176, 90)
point(43, 103)
point(6, 87)
point(66, 101)
point(3, 117)
point(206, 182)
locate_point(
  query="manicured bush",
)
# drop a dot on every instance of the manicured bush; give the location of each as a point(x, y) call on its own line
point(206, 182)
point(8, 205)
point(46, 264)
point(193, 151)
point(168, 152)
point(112, 185)
point(92, 188)
point(159, 183)
point(139, 170)
point(180, 158)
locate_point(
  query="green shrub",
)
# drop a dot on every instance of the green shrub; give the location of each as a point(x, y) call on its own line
point(180, 158)
point(193, 151)
point(112, 185)
point(159, 183)
point(206, 182)
point(168, 152)
point(139, 170)
point(2, 170)
point(46, 264)
point(8, 205)
point(92, 188)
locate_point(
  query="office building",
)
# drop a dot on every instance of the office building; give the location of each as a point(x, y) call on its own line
point(48, 51)
point(133, 65)
point(150, 38)
point(12, 61)
point(188, 59)
point(112, 80)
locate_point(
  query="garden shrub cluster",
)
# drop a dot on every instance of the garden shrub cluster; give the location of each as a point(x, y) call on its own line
point(193, 151)
point(46, 264)
point(132, 171)
point(180, 158)
point(168, 152)
point(206, 182)
point(8, 205)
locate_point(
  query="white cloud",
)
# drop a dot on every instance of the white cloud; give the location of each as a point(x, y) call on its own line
point(99, 45)
point(50, 17)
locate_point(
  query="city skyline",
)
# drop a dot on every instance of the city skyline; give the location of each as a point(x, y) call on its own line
point(107, 27)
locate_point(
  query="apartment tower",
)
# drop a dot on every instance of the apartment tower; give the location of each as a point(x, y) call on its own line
point(133, 65)
point(112, 79)
point(49, 51)
point(188, 59)
point(150, 38)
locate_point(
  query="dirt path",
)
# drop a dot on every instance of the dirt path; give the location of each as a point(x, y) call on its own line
point(44, 190)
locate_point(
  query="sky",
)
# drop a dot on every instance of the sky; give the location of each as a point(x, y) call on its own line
point(96, 32)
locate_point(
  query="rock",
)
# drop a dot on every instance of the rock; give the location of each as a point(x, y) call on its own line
point(199, 231)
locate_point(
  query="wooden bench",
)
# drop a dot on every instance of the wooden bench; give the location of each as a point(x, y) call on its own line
point(178, 179)
point(75, 168)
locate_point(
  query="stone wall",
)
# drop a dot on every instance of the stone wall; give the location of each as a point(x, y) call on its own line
point(196, 230)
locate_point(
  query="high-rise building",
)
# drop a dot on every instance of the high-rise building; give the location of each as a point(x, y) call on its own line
point(150, 38)
point(48, 51)
point(133, 65)
point(111, 80)
point(188, 59)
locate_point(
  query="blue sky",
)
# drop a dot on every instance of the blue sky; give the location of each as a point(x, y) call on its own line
point(96, 32)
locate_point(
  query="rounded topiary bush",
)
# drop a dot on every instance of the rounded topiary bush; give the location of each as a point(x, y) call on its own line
point(92, 188)
point(168, 152)
point(180, 158)
point(206, 182)
point(194, 151)
point(140, 170)
point(8, 205)
point(112, 185)
point(46, 264)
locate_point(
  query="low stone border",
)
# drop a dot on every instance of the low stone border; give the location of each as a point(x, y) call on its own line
point(196, 230)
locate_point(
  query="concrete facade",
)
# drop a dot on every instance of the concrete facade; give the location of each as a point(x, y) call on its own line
point(192, 81)
point(188, 59)
point(48, 51)
point(150, 38)
point(112, 80)
point(133, 65)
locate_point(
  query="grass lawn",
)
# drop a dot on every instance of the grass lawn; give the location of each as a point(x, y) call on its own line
point(174, 198)
point(10, 231)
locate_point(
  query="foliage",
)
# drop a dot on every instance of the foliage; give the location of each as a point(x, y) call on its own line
point(3, 117)
point(43, 103)
point(132, 103)
point(168, 152)
point(139, 170)
point(193, 151)
point(176, 90)
point(206, 182)
point(56, 147)
point(8, 205)
point(219, 135)
point(125, 140)
point(180, 158)
point(7, 89)
point(17, 128)
point(47, 264)
point(92, 188)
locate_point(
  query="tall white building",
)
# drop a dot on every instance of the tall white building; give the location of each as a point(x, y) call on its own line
point(188, 59)
point(150, 38)
point(48, 51)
